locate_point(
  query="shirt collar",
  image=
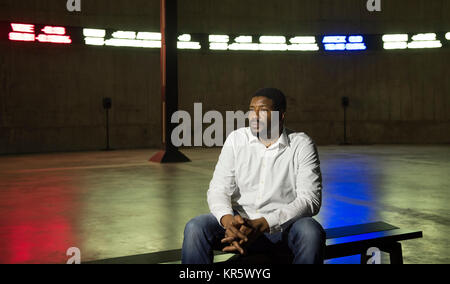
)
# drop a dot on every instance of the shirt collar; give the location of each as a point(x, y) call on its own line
point(282, 141)
point(284, 138)
point(253, 138)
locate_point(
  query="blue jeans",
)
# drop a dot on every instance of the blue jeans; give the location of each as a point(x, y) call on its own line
point(304, 240)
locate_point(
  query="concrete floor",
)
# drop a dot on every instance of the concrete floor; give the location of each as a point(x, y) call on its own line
point(112, 204)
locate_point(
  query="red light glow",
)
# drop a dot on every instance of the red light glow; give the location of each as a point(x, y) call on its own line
point(21, 37)
point(54, 39)
point(39, 227)
point(51, 34)
point(23, 28)
point(54, 30)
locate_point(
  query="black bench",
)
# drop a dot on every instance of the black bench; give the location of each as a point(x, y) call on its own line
point(341, 241)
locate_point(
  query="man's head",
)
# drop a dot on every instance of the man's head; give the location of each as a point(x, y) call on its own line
point(263, 102)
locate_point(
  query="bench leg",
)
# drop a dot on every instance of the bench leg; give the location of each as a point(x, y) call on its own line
point(395, 252)
point(364, 258)
point(396, 255)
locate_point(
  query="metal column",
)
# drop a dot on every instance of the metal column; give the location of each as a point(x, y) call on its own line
point(169, 82)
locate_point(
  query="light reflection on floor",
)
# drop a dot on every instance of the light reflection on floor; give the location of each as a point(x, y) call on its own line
point(112, 204)
point(347, 175)
point(33, 220)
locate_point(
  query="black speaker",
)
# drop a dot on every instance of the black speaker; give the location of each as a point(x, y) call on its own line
point(345, 101)
point(345, 104)
point(107, 103)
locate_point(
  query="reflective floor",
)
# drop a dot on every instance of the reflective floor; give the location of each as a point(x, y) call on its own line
point(112, 204)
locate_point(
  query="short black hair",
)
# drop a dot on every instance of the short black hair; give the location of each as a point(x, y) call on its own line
point(277, 97)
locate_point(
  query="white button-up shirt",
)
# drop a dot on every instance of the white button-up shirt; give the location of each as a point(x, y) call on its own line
point(280, 183)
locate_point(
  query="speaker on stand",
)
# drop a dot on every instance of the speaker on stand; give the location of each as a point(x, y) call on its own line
point(345, 103)
point(107, 105)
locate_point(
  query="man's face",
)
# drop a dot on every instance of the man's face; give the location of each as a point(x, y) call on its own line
point(260, 117)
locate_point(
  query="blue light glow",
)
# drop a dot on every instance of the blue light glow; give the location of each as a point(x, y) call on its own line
point(355, 46)
point(341, 43)
point(352, 194)
point(334, 46)
point(334, 39)
point(355, 39)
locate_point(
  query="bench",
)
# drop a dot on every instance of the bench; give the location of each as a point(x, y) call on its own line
point(340, 242)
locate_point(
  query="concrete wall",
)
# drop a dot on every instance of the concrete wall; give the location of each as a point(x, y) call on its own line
point(50, 97)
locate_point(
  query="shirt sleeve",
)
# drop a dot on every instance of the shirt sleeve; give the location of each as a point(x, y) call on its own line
point(223, 184)
point(308, 190)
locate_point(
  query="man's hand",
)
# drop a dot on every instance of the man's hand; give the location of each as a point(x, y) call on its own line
point(241, 232)
point(232, 225)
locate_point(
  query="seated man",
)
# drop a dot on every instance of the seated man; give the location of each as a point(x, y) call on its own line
point(266, 187)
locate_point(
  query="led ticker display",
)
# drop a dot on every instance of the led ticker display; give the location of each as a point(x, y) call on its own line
point(218, 42)
point(56, 34)
point(428, 40)
point(418, 41)
point(122, 38)
point(134, 39)
point(264, 43)
point(29, 33)
point(395, 41)
point(342, 43)
point(185, 42)
point(303, 43)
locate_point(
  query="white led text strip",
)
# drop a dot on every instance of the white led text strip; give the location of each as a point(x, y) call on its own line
point(266, 43)
point(418, 41)
point(134, 39)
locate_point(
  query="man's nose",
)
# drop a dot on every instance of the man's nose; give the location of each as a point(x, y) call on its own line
point(254, 114)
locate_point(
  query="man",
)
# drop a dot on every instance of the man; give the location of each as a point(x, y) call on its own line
point(266, 187)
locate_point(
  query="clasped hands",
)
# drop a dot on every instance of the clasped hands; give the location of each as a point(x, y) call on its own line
point(240, 232)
